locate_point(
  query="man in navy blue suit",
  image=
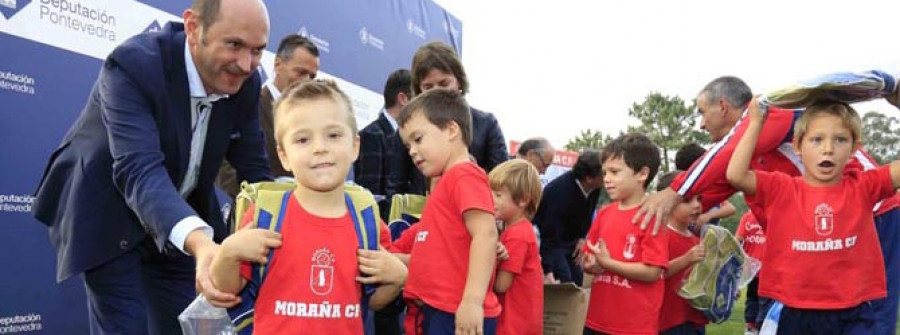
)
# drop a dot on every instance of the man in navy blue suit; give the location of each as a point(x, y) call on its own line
point(128, 195)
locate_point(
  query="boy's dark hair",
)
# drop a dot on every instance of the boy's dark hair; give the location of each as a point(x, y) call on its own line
point(687, 155)
point(440, 56)
point(293, 41)
point(637, 150)
point(398, 81)
point(666, 179)
point(440, 107)
point(588, 164)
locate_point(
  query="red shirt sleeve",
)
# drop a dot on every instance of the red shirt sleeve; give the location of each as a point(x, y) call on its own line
point(404, 243)
point(517, 247)
point(655, 248)
point(707, 175)
point(879, 183)
point(472, 192)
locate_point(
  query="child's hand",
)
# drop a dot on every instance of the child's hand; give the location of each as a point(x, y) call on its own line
point(469, 318)
point(894, 99)
point(250, 245)
point(589, 263)
point(757, 114)
point(696, 254)
point(381, 266)
point(599, 251)
point(502, 253)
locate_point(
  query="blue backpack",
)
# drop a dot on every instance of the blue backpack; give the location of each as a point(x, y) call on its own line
point(269, 201)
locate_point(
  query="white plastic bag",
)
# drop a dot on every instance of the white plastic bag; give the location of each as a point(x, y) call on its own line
point(201, 318)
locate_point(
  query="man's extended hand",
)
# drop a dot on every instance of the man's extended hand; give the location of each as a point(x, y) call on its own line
point(660, 205)
point(204, 249)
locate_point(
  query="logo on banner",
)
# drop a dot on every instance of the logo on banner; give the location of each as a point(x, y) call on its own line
point(17, 82)
point(80, 18)
point(414, 29)
point(320, 43)
point(153, 27)
point(824, 220)
point(368, 39)
point(450, 29)
point(321, 276)
point(10, 7)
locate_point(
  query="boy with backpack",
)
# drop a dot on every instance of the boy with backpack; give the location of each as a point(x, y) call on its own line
point(520, 278)
point(677, 317)
point(452, 260)
point(311, 281)
point(823, 259)
point(627, 262)
point(753, 240)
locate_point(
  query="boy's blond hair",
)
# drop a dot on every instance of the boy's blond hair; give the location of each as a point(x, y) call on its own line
point(847, 114)
point(522, 181)
point(307, 91)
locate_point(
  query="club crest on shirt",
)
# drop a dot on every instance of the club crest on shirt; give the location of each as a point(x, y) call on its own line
point(630, 241)
point(824, 217)
point(321, 276)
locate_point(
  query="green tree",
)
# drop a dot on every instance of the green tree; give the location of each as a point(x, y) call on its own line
point(880, 136)
point(588, 139)
point(669, 121)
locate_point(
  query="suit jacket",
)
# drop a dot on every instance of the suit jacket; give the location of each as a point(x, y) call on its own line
point(115, 177)
point(370, 169)
point(488, 147)
point(564, 214)
point(227, 178)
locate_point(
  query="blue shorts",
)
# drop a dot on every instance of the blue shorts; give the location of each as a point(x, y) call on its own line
point(859, 320)
point(438, 322)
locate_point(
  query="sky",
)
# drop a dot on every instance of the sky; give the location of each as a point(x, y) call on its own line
point(554, 68)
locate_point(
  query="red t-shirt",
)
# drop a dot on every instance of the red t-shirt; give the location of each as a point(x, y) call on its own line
point(822, 251)
point(311, 281)
point(675, 310)
point(439, 263)
point(523, 302)
point(620, 305)
point(753, 235)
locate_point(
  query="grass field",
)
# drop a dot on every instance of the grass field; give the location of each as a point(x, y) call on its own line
point(734, 325)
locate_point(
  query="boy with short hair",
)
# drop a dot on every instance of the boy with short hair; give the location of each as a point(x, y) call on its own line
point(453, 255)
point(313, 277)
point(753, 240)
point(823, 259)
point(627, 262)
point(516, 186)
point(677, 317)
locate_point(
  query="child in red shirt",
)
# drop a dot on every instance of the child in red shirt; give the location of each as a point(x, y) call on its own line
point(753, 240)
point(520, 280)
point(823, 259)
point(313, 279)
point(677, 317)
point(453, 255)
point(627, 262)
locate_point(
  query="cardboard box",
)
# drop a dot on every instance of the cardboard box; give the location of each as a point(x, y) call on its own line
point(565, 308)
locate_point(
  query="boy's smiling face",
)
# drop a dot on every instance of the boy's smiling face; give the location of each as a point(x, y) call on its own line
point(318, 146)
point(825, 149)
point(622, 182)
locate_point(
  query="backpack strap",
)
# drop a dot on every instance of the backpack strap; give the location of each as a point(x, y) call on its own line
point(364, 212)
